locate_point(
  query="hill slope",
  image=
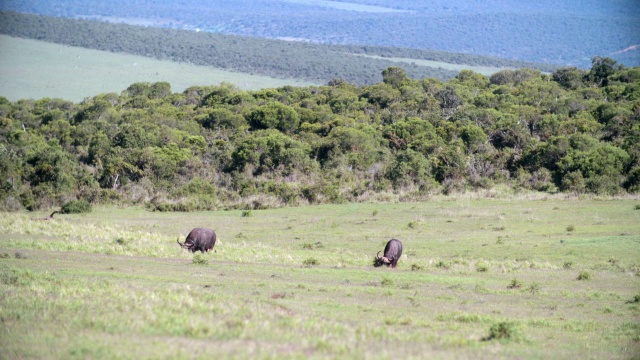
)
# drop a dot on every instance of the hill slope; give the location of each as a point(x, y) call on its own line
point(32, 69)
point(276, 58)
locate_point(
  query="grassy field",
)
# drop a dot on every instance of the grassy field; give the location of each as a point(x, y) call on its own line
point(31, 69)
point(552, 278)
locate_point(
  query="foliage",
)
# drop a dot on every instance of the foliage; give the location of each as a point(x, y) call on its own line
point(76, 207)
point(221, 147)
point(505, 331)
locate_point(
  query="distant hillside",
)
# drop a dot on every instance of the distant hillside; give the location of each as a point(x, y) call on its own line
point(275, 58)
point(33, 69)
point(565, 32)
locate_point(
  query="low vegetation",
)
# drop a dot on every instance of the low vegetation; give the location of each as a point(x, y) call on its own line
point(113, 283)
point(219, 147)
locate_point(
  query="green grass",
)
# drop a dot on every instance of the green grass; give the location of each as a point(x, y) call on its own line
point(113, 283)
point(31, 69)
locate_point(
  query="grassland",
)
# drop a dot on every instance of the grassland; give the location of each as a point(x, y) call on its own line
point(298, 282)
point(31, 69)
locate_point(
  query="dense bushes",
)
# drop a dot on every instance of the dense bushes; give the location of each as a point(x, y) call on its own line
point(220, 147)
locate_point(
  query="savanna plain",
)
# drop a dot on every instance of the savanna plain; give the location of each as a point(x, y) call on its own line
point(547, 277)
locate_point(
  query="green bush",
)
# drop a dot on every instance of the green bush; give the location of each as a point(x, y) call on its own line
point(310, 262)
point(515, 284)
point(200, 259)
point(505, 331)
point(584, 275)
point(76, 207)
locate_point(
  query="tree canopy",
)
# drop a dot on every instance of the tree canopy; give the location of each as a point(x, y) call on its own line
point(217, 146)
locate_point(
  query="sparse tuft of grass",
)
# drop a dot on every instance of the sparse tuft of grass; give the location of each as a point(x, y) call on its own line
point(584, 275)
point(571, 228)
point(443, 264)
point(246, 213)
point(412, 224)
point(200, 259)
point(568, 265)
point(5, 256)
point(374, 213)
point(416, 267)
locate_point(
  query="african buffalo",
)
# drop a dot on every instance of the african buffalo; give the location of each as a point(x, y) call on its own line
point(199, 239)
point(392, 253)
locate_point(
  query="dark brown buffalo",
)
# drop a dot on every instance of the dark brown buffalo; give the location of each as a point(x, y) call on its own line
point(392, 253)
point(199, 239)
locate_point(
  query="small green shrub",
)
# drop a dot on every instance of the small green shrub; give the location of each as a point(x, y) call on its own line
point(534, 288)
point(412, 224)
point(568, 265)
point(386, 281)
point(246, 213)
point(442, 264)
point(76, 207)
point(200, 259)
point(584, 275)
point(504, 331)
point(571, 228)
point(416, 267)
point(482, 267)
point(374, 213)
point(637, 207)
point(514, 284)
point(310, 262)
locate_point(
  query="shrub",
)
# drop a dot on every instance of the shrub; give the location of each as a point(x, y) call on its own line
point(415, 267)
point(246, 213)
point(442, 264)
point(76, 207)
point(534, 288)
point(200, 259)
point(482, 267)
point(584, 275)
point(505, 331)
point(568, 265)
point(310, 262)
point(571, 228)
point(514, 284)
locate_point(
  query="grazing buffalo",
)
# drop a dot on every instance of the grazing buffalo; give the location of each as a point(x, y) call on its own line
point(199, 239)
point(392, 253)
